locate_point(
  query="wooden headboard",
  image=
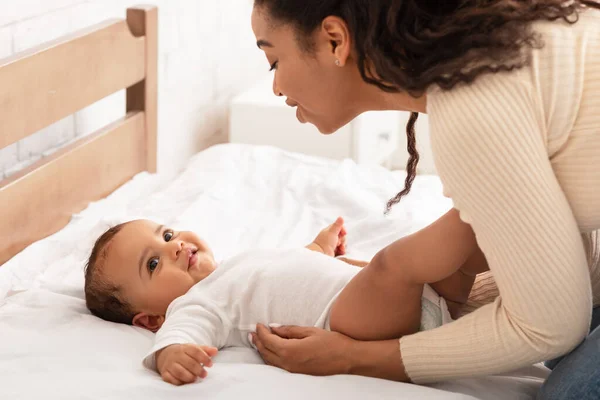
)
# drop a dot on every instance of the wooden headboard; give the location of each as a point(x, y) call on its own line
point(43, 85)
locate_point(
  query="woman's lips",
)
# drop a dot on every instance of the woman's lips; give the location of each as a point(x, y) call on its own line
point(299, 116)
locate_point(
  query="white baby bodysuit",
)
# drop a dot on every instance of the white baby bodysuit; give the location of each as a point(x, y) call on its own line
point(287, 287)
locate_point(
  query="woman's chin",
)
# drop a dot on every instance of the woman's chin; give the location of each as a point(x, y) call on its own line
point(333, 126)
point(325, 130)
point(328, 132)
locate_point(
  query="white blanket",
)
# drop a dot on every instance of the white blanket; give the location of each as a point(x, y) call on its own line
point(238, 197)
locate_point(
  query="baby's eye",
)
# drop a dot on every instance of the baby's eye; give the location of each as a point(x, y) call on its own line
point(152, 264)
point(168, 235)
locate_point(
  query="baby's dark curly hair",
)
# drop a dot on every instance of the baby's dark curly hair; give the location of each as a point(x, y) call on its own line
point(103, 298)
point(409, 45)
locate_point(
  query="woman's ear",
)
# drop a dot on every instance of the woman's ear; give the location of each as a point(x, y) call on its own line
point(338, 35)
point(149, 322)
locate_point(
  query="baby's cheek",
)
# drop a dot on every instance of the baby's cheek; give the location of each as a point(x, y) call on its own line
point(172, 288)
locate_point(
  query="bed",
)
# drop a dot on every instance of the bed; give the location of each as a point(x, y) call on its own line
point(236, 196)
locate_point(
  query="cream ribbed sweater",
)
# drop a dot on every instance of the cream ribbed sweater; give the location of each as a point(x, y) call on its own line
point(519, 154)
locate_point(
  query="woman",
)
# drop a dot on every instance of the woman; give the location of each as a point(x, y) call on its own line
point(512, 89)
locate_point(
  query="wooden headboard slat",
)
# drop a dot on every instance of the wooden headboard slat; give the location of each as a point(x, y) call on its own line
point(143, 95)
point(44, 85)
point(43, 197)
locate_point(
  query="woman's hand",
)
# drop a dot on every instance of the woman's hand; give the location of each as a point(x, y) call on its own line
point(309, 351)
point(314, 351)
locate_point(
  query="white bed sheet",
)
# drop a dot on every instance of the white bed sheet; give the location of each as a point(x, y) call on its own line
point(236, 197)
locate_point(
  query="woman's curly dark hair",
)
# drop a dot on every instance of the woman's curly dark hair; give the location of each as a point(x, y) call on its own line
point(409, 45)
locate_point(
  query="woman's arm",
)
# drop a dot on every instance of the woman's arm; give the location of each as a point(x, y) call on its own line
point(319, 352)
point(491, 155)
point(490, 150)
point(484, 291)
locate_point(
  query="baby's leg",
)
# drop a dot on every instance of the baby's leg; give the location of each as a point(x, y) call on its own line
point(377, 304)
point(383, 301)
point(457, 287)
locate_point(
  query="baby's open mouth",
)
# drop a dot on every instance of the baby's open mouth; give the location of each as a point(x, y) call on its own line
point(193, 258)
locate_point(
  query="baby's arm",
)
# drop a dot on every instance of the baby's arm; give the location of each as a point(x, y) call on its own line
point(183, 346)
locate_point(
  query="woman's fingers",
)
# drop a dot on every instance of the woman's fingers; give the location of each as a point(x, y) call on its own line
point(310, 351)
point(267, 355)
point(288, 332)
point(293, 332)
point(268, 339)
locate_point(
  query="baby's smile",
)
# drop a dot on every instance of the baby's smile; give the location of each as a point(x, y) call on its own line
point(192, 258)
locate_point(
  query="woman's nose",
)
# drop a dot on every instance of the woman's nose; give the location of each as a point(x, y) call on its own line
point(276, 88)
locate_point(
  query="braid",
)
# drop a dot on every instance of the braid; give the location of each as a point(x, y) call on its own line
point(411, 165)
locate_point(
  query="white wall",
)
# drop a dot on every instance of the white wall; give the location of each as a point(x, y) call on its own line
point(206, 55)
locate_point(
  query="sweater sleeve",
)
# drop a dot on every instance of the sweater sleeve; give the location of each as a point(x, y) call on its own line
point(489, 145)
point(484, 291)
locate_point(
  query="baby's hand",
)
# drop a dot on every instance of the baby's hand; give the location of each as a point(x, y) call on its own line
point(332, 240)
point(179, 364)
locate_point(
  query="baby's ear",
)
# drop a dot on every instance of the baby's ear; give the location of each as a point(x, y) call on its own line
point(147, 321)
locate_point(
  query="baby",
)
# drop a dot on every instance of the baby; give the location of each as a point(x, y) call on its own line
point(147, 275)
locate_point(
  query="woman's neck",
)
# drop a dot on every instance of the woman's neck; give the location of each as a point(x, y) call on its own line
point(403, 102)
point(376, 99)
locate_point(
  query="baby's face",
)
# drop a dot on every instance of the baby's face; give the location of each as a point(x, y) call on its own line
point(154, 265)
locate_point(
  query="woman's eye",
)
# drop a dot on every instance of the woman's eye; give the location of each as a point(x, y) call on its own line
point(152, 264)
point(168, 235)
point(274, 66)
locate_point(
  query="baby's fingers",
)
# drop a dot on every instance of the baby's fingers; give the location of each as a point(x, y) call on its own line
point(193, 366)
point(182, 374)
point(338, 225)
point(167, 377)
point(198, 354)
point(210, 351)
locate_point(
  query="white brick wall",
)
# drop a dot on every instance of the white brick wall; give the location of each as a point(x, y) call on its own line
point(15, 11)
point(5, 42)
point(206, 55)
